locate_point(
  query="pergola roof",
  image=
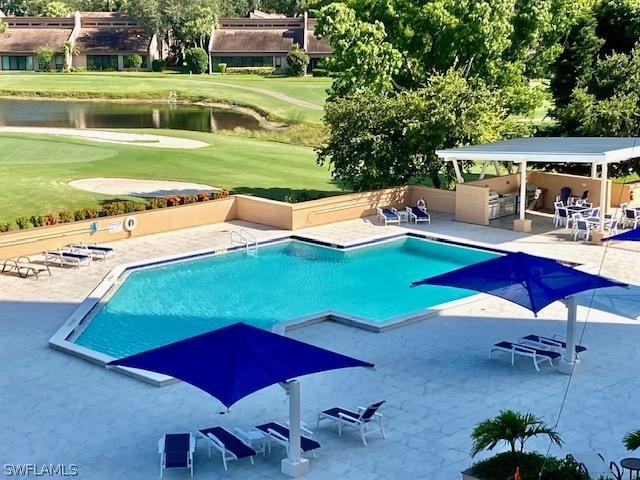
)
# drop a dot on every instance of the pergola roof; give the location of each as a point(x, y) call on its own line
point(593, 150)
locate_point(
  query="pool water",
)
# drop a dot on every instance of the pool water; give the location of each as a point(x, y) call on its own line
point(160, 305)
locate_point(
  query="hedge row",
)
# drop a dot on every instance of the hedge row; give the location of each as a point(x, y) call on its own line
point(110, 209)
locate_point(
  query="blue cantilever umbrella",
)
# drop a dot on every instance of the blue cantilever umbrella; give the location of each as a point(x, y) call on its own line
point(527, 280)
point(631, 236)
point(236, 361)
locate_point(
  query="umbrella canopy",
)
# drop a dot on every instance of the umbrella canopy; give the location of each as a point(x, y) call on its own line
point(631, 236)
point(527, 280)
point(235, 361)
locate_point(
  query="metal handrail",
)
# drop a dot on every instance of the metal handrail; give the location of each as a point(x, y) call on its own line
point(246, 239)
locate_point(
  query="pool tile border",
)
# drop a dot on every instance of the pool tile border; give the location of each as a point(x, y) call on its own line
point(61, 340)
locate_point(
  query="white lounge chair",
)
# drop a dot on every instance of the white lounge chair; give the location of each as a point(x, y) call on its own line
point(229, 445)
point(536, 354)
point(388, 215)
point(64, 258)
point(631, 218)
point(419, 212)
point(176, 451)
point(548, 343)
point(96, 251)
point(361, 419)
point(24, 267)
point(280, 434)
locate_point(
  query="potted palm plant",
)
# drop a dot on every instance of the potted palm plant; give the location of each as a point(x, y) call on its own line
point(514, 429)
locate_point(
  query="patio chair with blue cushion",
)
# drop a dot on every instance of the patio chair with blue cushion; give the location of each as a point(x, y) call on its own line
point(549, 343)
point(388, 215)
point(65, 257)
point(230, 446)
point(565, 193)
point(280, 434)
point(419, 213)
point(176, 451)
point(631, 218)
point(98, 251)
point(580, 228)
point(361, 419)
point(536, 354)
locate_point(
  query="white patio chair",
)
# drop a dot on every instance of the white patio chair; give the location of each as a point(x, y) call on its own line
point(631, 218)
point(360, 420)
point(580, 228)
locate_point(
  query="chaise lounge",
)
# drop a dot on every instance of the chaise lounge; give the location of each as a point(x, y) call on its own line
point(388, 215)
point(551, 343)
point(176, 451)
point(280, 434)
point(24, 267)
point(419, 213)
point(97, 251)
point(361, 419)
point(536, 354)
point(230, 446)
point(63, 258)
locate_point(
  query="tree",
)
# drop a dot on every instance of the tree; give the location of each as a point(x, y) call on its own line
point(297, 61)
point(56, 9)
point(632, 440)
point(362, 56)
point(513, 428)
point(70, 50)
point(380, 140)
point(45, 55)
point(132, 61)
point(3, 27)
point(197, 59)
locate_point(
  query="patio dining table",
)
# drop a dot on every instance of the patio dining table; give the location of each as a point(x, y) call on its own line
point(595, 222)
point(577, 209)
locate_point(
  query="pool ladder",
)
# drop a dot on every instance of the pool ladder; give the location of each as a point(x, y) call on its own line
point(245, 239)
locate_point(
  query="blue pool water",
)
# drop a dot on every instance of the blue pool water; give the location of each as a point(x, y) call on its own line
point(287, 280)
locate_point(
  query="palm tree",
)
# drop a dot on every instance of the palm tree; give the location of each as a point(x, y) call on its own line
point(512, 427)
point(70, 49)
point(632, 440)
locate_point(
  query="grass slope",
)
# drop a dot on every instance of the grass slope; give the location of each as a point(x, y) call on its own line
point(249, 90)
point(33, 179)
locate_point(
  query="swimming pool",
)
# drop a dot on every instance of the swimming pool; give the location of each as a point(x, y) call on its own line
point(159, 305)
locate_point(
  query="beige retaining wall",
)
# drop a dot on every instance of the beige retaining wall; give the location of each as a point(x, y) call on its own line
point(281, 215)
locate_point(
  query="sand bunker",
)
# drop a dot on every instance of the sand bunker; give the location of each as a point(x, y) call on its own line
point(139, 188)
point(137, 139)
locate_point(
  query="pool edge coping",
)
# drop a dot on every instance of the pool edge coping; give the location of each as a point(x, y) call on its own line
point(60, 339)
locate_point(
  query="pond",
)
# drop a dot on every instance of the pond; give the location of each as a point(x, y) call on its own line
point(49, 113)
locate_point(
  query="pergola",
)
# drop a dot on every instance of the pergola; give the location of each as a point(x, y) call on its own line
point(596, 151)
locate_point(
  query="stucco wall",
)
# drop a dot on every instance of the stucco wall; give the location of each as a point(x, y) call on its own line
point(503, 184)
point(437, 200)
point(264, 211)
point(553, 182)
point(472, 204)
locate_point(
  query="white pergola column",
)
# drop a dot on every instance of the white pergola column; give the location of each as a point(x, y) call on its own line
point(294, 465)
point(603, 194)
point(456, 168)
point(483, 172)
point(594, 170)
point(569, 360)
point(523, 188)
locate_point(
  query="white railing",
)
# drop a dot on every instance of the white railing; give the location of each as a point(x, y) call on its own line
point(244, 238)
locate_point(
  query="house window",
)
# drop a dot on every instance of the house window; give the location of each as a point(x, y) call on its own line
point(145, 61)
point(14, 62)
point(59, 62)
point(102, 62)
point(278, 61)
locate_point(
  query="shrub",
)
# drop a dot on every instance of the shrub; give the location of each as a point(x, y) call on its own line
point(6, 227)
point(37, 220)
point(203, 197)
point(173, 200)
point(131, 206)
point(219, 194)
point(132, 61)
point(65, 216)
point(50, 218)
point(187, 199)
point(45, 55)
point(85, 214)
point(197, 59)
point(79, 69)
point(249, 71)
point(158, 203)
point(319, 72)
point(297, 60)
point(503, 465)
point(23, 223)
point(113, 208)
point(158, 65)
point(221, 67)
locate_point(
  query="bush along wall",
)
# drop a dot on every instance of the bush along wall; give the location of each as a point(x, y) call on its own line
point(110, 209)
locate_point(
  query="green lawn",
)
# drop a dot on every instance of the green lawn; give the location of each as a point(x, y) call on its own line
point(262, 93)
point(33, 179)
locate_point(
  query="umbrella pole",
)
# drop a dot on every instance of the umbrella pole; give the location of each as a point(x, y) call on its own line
point(569, 360)
point(294, 465)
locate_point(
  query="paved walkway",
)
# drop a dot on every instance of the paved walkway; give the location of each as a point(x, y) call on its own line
point(434, 375)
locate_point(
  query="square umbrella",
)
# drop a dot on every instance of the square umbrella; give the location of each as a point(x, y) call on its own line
point(235, 361)
point(530, 281)
point(631, 236)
